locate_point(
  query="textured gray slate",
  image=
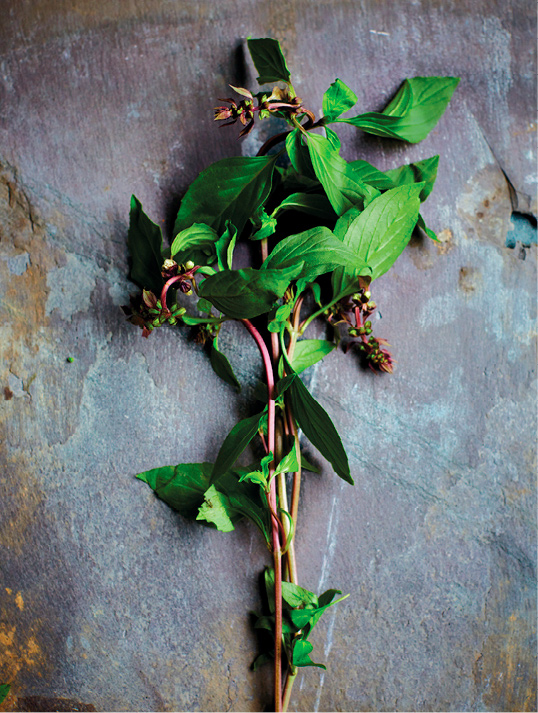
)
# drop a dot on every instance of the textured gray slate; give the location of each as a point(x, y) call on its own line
point(110, 601)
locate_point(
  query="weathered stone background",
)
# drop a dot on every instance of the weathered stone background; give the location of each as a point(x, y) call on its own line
point(110, 601)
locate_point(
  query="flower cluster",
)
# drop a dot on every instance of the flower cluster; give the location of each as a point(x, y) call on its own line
point(280, 100)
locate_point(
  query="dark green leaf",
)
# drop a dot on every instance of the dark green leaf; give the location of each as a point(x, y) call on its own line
point(260, 660)
point(306, 465)
point(222, 367)
point(268, 623)
point(419, 172)
point(310, 351)
point(342, 187)
point(235, 443)
point(204, 306)
point(225, 246)
point(196, 243)
point(414, 111)
point(311, 203)
point(318, 427)
point(4, 690)
point(381, 232)
point(317, 249)
point(144, 241)
point(243, 294)
point(181, 486)
point(231, 189)
point(337, 99)
point(268, 60)
point(301, 654)
point(244, 500)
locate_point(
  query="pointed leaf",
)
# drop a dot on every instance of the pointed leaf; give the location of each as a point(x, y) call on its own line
point(225, 246)
point(215, 509)
point(371, 175)
point(144, 241)
point(337, 99)
point(301, 654)
point(196, 243)
point(268, 60)
point(414, 111)
point(419, 172)
point(182, 486)
point(299, 155)
point(310, 351)
point(235, 443)
point(223, 368)
point(311, 203)
point(296, 596)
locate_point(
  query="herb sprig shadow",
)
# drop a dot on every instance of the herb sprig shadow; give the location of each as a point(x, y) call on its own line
point(359, 220)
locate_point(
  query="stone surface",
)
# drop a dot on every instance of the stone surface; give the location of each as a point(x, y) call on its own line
point(110, 601)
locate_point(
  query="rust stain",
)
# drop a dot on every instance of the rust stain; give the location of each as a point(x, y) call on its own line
point(470, 279)
point(19, 601)
point(17, 652)
point(445, 241)
point(8, 394)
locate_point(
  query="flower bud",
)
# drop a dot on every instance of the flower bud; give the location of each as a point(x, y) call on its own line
point(189, 265)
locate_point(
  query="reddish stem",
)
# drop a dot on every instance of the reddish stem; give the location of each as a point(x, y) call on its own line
point(271, 497)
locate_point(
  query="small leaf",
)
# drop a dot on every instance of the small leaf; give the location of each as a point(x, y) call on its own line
point(254, 476)
point(196, 243)
point(144, 241)
point(223, 368)
point(337, 99)
point(215, 509)
point(243, 294)
point(231, 189)
point(301, 654)
point(225, 246)
point(422, 225)
point(235, 443)
point(306, 465)
point(265, 225)
point(288, 464)
point(4, 691)
point(204, 306)
point(310, 351)
point(268, 60)
point(414, 111)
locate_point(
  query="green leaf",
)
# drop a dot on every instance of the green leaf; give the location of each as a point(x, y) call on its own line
point(244, 500)
point(371, 175)
point(419, 172)
point(144, 241)
point(306, 465)
point(222, 367)
point(309, 617)
point(215, 509)
point(225, 246)
point(196, 243)
point(235, 443)
point(342, 187)
point(318, 427)
point(261, 659)
point(310, 351)
point(288, 464)
point(254, 476)
point(204, 306)
point(332, 137)
point(296, 596)
point(298, 154)
point(194, 321)
point(414, 111)
point(243, 294)
point(310, 203)
point(182, 486)
point(231, 189)
point(4, 690)
point(268, 60)
point(337, 99)
point(317, 249)
point(422, 225)
point(301, 654)
point(381, 232)
point(265, 225)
